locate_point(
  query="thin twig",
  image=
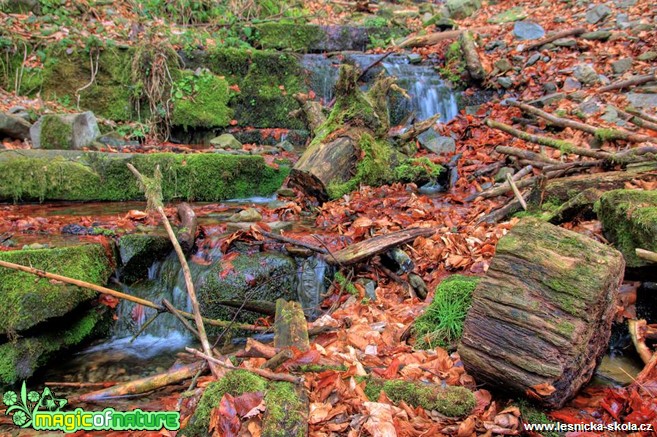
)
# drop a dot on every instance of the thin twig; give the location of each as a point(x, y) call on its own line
point(516, 191)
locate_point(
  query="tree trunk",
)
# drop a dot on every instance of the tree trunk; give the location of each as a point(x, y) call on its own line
point(541, 317)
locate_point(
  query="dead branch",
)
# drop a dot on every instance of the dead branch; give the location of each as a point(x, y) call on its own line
point(372, 65)
point(188, 221)
point(647, 255)
point(255, 349)
point(524, 154)
point(641, 114)
point(636, 80)
point(635, 119)
point(516, 192)
point(554, 37)
point(417, 128)
point(278, 359)
point(637, 339)
point(299, 243)
point(471, 57)
point(435, 38)
point(502, 189)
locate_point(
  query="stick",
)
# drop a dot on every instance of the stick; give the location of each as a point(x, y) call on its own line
point(516, 192)
point(81, 384)
point(418, 128)
point(641, 114)
point(502, 189)
point(522, 173)
point(603, 134)
point(435, 38)
point(635, 119)
point(293, 241)
point(369, 67)
point(636, 80)
point(647, 255)
point(554, 143)
point(525, 154)
point(261, 372)
point(639, 342)
point(156, 199)
point(554, 37)
point(144, 326)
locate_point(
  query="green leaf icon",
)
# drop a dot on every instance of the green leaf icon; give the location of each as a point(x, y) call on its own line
point(49, 402)
point(10, 398)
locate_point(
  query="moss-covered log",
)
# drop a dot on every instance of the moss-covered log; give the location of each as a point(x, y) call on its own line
point(290, 326)
point(540, 318)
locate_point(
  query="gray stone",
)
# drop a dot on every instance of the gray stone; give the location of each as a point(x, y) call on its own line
point(642, 100)
point(460, 9)
point(495, 44)
point(514, 14)
point(549, 87)
point(245, 226)
point(138, 252)
point(565, 42)
point(14, 127)
point(435, 143)
point(624, 4)
point(623, 21)
point(286, 192)
point(599, 35)
point(548, 99)
point(414, 58)
point(500, 176)
point(586, 74)
point(503, 65)
point(226, 141)
point(533, 59)
point(597, 14)
point(20, 111)
point(621, 66)
point(313, 277)
point(611, 116)
point(590, 106)
point(286, 145)
point(505, 82)
point(525, 30)
point(647, 56)
point(571, 84)
point(246, 215)
point(65, 131)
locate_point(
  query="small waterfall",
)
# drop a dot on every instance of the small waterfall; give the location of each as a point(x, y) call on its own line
point(429, 93)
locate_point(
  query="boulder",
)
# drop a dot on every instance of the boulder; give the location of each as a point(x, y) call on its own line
point(246, 215)
point(64, 131)
point(262, 276)
point(14, 127)
point(621, 66)
point(629, 221)
point(138, 252)
point(435, 143)
point(226, 141)
point(525, 30)
point(597, 13)
point(460, 9)
point(541, 318)
point(642, 100)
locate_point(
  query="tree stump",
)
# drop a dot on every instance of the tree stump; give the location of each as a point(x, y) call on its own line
point(540, 318)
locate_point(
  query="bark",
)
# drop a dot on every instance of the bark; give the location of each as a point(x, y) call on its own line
point(255, 349)
point(554, 37)
point(472, 61)
point(636, 80)
point(647, 255)
point(290, 326)
point(643, 115)
point(312, 110)
point(524, 154)
point(376, 245)
point(188, 223)
point(541, 318)
point(636, 327)
point(435, 38)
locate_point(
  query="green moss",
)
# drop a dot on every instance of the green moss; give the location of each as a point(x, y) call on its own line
point(28, 301)
point(285, 411)
point(55, 133)
point(564, 146)
point(348, 286)
point(288, 36)
point(531, 414)
point(319, 368)
point(200, 101)
point(450, 401)
point(419, 170)
point(604, 134)
point(235, 383)
point(442, 322)
point(454, 66)
point(102, 177)
point(565, 328)
point(19, 359)
point(12, 66)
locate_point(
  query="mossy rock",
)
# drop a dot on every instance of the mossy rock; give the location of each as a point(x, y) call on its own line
point(200, 101)
point(28, 300)
point(261, 276)
point(21, 358)
point(629, 221)
point(96, 176)
point(110, 94)
point(449, 401)
point(138, 252)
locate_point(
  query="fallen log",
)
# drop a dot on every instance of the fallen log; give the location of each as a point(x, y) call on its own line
point(541, 318)
point(290, 326)
point(636, 80)
point(435, 38)
point(373, 246)
point(188, 223)
point(471, 57)
point(256, 349)
point(524, 154)
point(553, 37)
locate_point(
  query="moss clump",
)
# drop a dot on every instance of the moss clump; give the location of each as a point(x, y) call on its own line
point(454, 66)
point(531, 414)
point(28, 301)
point(442, 322)
point(418, 170)
point(235, 383)
point(200, 101)
point(605, 134)
point(629, 221)
point(285, 411)
point(103, 177)
point(288, 36)
point(348, 286)
point(56, 133)
point(19, 359)
point(450, 401)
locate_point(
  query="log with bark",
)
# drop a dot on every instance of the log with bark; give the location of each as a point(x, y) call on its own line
point(471, 57)
point(541, 318)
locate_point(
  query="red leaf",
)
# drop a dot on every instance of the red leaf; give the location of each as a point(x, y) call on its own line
point(224, 421)
point(247, 402)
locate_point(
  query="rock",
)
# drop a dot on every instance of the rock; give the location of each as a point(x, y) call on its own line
point(14, 127)
point(571, 84)
point(505, 82)
point(621, 66)
point(29, 301)
point(549, 87)
point(541, 318)
point(495, 44)
point(503, 65)
point(414, 58)
point(514, 14)
point(314, 275)
point(623, 21)
point(261, 276)
point(20, 111)
point(435, 143)
point(286, 146)
point(245, 226)
point(586, 74)
point(629, 221)
point(533, 59)
point(500, 176)
point(75, 229)
point(599, 35)
point(226, 141)
point(64, 131)
point(590, 106)
point(246, 215)
point(611, 116)
point(460, 9)
point(525, 30)
point(286, 192)
point(266, 150)
point(642, 100)
point(547, 100)
point(597, 13)
point(432, 188)
point(647, 56)
point(137, 252)
point(624, 4)
point(565, 42)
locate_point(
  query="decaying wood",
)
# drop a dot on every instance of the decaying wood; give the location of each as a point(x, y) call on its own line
point(643, 115)
point(647, 255)
point(636, 80)
point(290, 326)
point(516, 192)
point(634, 327)
point(541, 318)
point(471, 57)
point(418, 128)
point(524, 154)
point(188, 222)
point(299, 243)
point(606, 133)
point(260, 372)
point(553, 37)
point(278, 359)
point(144, 385)
point(256, 349)
point(376, 245)
point(635, 119)
point(501, 189)
point(579, 206)
point(436, 37)
point(153, 192)
point(311, 110)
